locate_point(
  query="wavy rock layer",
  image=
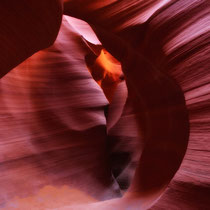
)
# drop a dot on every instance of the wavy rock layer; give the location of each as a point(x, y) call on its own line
point(142, 135)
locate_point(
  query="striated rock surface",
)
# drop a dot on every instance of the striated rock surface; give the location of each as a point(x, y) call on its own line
point(117, 121)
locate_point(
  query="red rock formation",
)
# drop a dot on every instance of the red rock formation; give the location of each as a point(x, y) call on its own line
point(146, 146)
